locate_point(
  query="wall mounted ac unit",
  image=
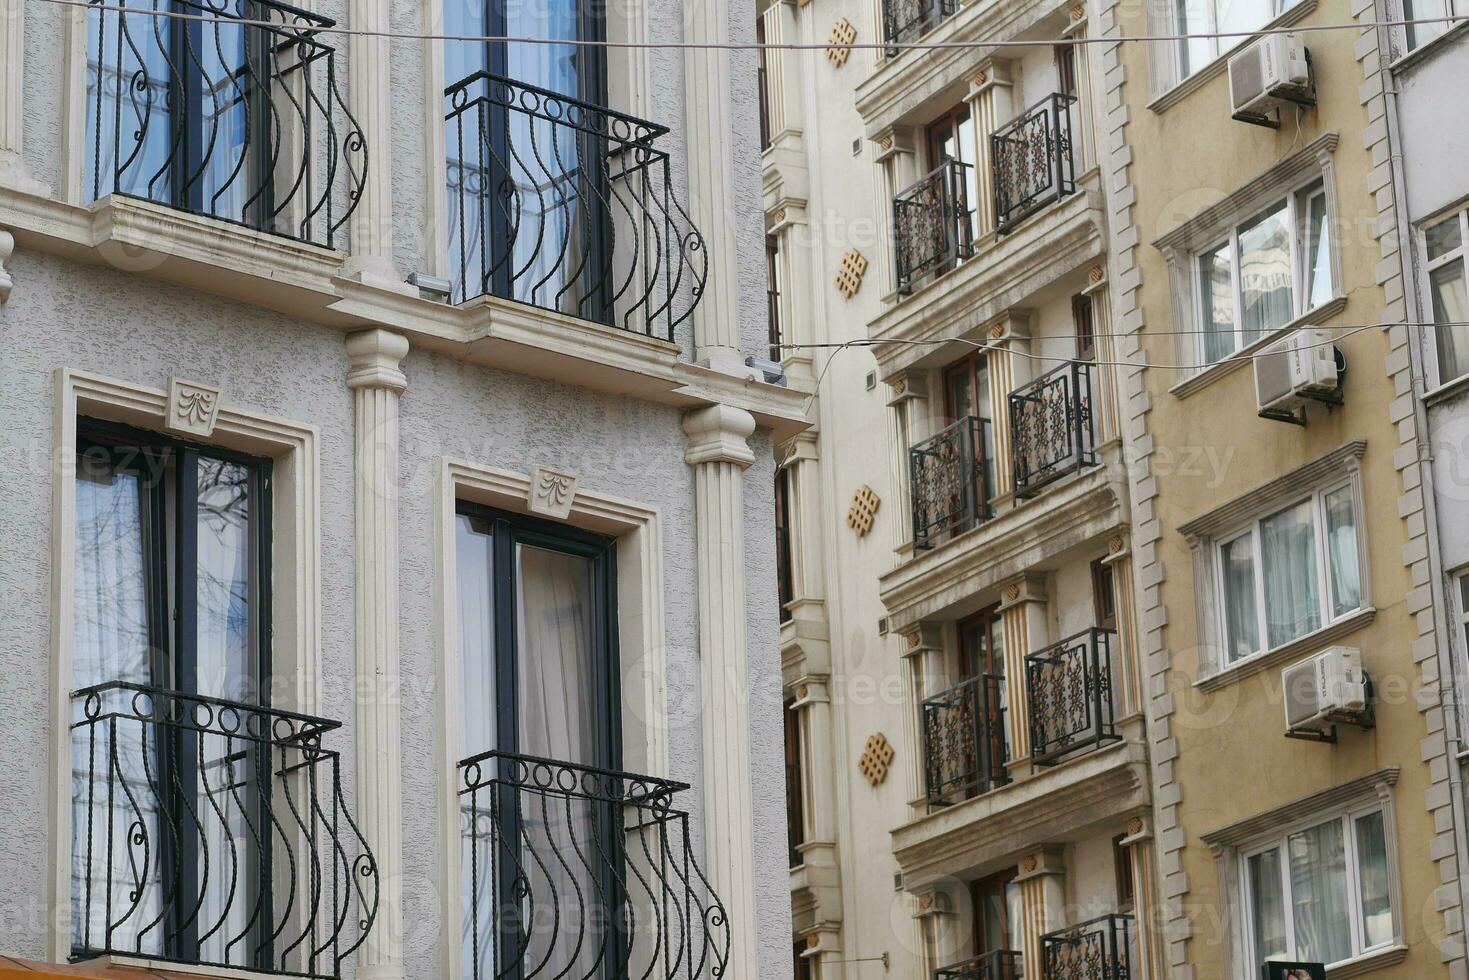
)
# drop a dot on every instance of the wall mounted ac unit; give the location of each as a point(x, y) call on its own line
point(1325, 690)
point(1271, 70)
point(1302, 367)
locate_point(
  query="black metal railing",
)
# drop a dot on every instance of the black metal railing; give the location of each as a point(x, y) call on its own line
point(933, 224)
point(1034, 162)
point(1069, 692)
point(950, 481)
point(566, 206)
point(212, 832)
point(234, 115)
point(577, 871)
point(1101, 949)
point(1052, 426)
point(908, 20)
point(1001, 964)
point(964, 750)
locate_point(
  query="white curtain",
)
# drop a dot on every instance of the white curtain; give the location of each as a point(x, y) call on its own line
point(1373, 883)
point(1288, 557)
point(1451, 305)
point(1341, 552)
point(1268, 906)
point(1241, 616)
point(1318, 888)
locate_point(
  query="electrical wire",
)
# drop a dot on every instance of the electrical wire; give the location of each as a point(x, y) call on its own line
point(755, 45)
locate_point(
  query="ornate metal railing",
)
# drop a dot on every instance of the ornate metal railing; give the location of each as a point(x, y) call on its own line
point(1052, 426)
point(932, 224)
point(908, 20)
point(212, 832)
point(1002, 964)
point(577, 871)
point(964, 749)
point(567, 206)
point(1069, 690)
point(1034, 161)
point(1100, 949)
point(950, 480)
point(235, 115)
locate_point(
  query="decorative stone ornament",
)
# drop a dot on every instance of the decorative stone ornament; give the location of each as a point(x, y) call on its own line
point(1096, 274)
point(849, 276)
point(842, 35)
point(876, 757)
point(863, 511)
point(551, 492)
point(192, 408)
point(7, 248)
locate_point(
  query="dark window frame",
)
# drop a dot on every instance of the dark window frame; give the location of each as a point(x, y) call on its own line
point(1104, 594)
point(795, 783)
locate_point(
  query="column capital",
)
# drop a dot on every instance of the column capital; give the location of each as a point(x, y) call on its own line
point(374, 356)
point(1028, 587)
point(1048, 861)
point(924, 638)
point(717, 434)
point(991, 72)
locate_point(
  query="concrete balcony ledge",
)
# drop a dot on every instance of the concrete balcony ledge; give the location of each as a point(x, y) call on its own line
point(1005, 273)
point(1068, 802)
point(120, 968)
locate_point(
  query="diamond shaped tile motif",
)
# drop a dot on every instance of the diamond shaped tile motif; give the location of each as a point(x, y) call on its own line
point(842, 35)
point(876, 758)
point(849, 276)
point(863, 511)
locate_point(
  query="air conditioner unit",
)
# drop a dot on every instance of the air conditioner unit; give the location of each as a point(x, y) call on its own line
point(1324, 690)
point(1289, 372)
point(1271, 70)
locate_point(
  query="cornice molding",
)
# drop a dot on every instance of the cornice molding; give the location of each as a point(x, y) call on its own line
point(1264, 497)
point(1364, 788)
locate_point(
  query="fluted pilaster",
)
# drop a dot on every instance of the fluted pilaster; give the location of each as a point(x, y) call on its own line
point(13, 170)
point(370, 98)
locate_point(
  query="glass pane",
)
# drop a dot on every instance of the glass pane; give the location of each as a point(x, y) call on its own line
point(1318, 889)
point(1288, 555)
point(1341, 551)
point(1195, 52)
point(1316, 247)
point(474, 563)
point(1242, 15)
point(130, 125)
point(1267, 906)
point(1420, 34)
point(1450, 306)
point(1377, 928)
point(554, 620)
point(1443, 238)
point(1216, 287)
point(1266, 301)
point(226, 598)
point(1240, 615)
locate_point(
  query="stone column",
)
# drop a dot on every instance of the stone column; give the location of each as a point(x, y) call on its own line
point(1009, 341)
point(369, 94)
point(377, 383)
point(1042, 883)
point(719, 455)
point(898, 160)
point(1023, 613)
point(912, 422)
point(1139, 840)
point(990, 108)
point(13, 170)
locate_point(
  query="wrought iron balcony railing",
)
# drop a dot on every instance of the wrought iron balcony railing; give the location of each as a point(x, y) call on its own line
point(950, 481)
point(1001, 964)
point(1069, 690)
point(1101, 949)
point(908, 20)
point(234, 115)
point(1052, 426)
point(1034, 161)
point(578, 871)
point(566, 206)
point(964, 750)
point(212, 832)
point(933, 224)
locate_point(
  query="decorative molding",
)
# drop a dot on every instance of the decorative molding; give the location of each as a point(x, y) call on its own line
point(193, 408)
point(863, 512)
point(1363, 789)
point(718, 434)
point(876, 757)
point(1266, 496)
point(7, 249)
point(839, 43)
point(551, 492)
point(375, 355)
point(849, 276)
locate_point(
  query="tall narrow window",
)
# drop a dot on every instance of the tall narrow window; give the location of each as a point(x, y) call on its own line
point(1448, 296)
point(951, 137)
point(1122, 871)
point(1104, 596)
point(772, 296)
point(1085, 327)
point(967, 394)
point(997, 913)
point(784, 573)
point(795, 784)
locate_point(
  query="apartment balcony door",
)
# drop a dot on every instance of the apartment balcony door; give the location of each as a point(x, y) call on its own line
point(982, 654)
point(967, 393)
point(996, 904)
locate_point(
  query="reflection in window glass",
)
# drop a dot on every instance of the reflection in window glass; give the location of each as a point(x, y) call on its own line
point(1372, 877)
point(1269, 906)
point(1450, 306)
point(1288, 556)
point(1265, 275)
point(1318, 885)
point(1316, 242)
point(1216, 287)
point(1240, 614)
point(1341, 551)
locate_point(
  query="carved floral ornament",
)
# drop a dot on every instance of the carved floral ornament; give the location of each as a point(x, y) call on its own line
point(551, 492)
point(193, 408)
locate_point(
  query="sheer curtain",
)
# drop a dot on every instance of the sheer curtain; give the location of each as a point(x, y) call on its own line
point(1266, 298)
point(1241, 617)
point(1451, 305)
point(1341, 551)
point(1318, 888)
point(1292, 583)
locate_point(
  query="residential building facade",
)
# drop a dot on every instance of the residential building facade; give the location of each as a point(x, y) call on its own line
point(386, 592)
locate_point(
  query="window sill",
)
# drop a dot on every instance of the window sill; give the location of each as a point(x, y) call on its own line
point(1207, 376)
point(1311, 642)
point(1217, 67)
point(1367, 962)
point(1447, 391)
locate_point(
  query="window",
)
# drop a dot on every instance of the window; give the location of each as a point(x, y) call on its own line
point(1443, 245)
point(772, 296)
point(1269, 271)
point(795, 784)
point(966, 394)
point(1290, 573)
point(784, 579)
point(951, 137)
point(1086, 330)
point(1218, 16)
point(1122, 871)
point(1104, 595)
point(997, 912)
point(1322, 893)
point(1416, 35)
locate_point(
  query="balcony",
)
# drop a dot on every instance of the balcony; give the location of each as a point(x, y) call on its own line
point(1069, 691)
point(571, 869)
point(1002, 964)
point(236, 116)
point(1052, 427)
point(964, 750)
point(566, 206)
point(950, 480)
point(1034, 161)
point(212, 833)
point(933, 229)
point(1101, 949)
point(908, 20)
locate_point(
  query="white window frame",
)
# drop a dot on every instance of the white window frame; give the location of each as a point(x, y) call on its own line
point(1326, 589)
point(1293, 199)
point(1430, 266)
point(1403, 10)
point(1279, 840)
point(1218, 47)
